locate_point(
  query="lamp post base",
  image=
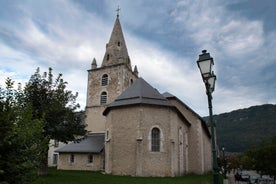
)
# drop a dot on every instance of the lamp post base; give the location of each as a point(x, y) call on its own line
point(216, 178)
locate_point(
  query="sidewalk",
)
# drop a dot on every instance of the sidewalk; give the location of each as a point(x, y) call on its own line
point(231, 177)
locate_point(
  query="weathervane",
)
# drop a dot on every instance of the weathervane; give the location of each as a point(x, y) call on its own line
point(118, 10)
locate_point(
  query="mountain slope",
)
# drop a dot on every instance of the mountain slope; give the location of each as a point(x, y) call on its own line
point(240, 129)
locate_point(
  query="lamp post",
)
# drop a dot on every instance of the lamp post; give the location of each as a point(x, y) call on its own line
point(205, 64)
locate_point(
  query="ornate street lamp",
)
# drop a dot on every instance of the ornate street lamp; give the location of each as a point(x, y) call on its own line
point(205, 64)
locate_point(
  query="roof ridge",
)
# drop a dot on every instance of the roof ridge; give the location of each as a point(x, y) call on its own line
point(140, 92)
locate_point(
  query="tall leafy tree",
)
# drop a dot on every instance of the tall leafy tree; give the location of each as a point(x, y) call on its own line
point(19, 137)
point(262, 157)
point(57, 106)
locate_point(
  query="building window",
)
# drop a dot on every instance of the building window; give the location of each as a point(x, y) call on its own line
point(72, 158)
point(107, 57)
point(155, 140)
point(104, 79)
point(119, 44)
point(55, 159)
point(90, 158)
point(103, 98)
point(56, 143)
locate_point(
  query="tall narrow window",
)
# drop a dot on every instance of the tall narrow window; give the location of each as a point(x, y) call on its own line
point(107, 57)
point(90, 158)
point(119, 44)
point(55, 159)
point(103, 98)
point(72, 158)
point(56, 143)
point(155, 140)
point(107, 135)
point(104, 79)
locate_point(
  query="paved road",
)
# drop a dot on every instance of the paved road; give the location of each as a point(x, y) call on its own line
point(231, 177)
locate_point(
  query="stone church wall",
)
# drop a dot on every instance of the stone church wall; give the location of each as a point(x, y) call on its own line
point(119, 78)
point(199, 143)
point(156, 163)
point(121, 145)
point(80, 162)
point(95, 120)
point(128, 152)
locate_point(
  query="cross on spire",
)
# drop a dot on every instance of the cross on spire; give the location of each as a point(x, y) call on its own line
point(118, 11)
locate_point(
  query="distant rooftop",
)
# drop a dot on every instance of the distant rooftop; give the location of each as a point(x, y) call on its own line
point(93, 143)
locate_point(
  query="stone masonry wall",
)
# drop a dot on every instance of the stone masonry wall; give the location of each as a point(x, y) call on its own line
point(119, 78)
point(128, 150)
point(80, 162)
point(198, 142)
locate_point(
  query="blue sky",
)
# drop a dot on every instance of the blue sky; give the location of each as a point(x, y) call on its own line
point(164, 39)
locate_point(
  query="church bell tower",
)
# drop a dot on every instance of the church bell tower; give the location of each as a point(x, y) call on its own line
point(107, 82)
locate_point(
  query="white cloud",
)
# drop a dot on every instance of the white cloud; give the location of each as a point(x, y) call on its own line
point(16, 62)
point(240, 37)
point(212, 26)
point(64, 36)
point(239, 97)
point(167, 72)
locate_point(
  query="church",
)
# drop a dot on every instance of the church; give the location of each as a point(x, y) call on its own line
point(134, 129)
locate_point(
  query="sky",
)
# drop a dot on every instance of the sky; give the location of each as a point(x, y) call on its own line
point(164, 39)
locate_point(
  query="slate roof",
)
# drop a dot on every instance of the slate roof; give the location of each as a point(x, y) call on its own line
point(168, 95)
point(140, 92)
point(93, 143)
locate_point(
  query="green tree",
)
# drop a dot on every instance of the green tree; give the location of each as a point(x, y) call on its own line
point(57, 105)
point(262, 157)
point(19, 134)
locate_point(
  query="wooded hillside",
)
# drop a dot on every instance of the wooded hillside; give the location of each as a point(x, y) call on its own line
point(240, 129)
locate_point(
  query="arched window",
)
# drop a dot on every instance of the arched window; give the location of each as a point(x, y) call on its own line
point(131, 81)
point(119, 44)
point(103, 98)
point(104, 79)
point(155, 140)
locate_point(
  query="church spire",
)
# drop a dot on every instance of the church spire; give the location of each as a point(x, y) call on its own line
point(116, 50)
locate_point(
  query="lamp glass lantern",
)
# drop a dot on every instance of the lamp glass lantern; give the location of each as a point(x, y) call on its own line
point(205, 63)
point(211, 82)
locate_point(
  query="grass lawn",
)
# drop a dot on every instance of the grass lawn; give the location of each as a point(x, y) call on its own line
point(79, 177)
